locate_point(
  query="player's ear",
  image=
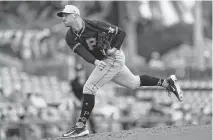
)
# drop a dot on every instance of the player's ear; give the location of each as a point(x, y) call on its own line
point(75, 16)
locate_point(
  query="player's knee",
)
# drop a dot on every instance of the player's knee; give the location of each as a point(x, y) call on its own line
point(90, 89)
point(134, 83)
point(133, 86)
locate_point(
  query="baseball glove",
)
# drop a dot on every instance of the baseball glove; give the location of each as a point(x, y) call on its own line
point(104, 41)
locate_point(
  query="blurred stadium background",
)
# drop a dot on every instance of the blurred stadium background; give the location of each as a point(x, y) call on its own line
point(163, 38)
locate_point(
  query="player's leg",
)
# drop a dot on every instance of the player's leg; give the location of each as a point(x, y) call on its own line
point(127, 79)
point(96, 80)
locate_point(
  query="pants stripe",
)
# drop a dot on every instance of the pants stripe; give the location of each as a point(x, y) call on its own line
point(106, 72)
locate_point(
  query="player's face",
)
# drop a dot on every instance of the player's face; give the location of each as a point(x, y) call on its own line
point(68, 19)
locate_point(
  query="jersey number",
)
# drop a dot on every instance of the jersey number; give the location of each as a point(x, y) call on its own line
point(91, 42)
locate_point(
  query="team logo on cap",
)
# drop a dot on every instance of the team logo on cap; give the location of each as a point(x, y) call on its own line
point(111, 30)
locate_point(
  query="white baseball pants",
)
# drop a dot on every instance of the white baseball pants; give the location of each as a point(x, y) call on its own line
point(115, 71)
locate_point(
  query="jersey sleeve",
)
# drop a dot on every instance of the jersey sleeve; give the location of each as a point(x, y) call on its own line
point(107, 27)
point(79, 48)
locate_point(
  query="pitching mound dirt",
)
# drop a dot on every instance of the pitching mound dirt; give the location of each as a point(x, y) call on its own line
point(194, 132)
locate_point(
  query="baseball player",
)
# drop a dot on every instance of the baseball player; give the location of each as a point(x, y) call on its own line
point(99, 43)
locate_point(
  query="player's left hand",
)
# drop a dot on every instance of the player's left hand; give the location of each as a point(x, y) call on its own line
point(111, 51)
point(100, 64)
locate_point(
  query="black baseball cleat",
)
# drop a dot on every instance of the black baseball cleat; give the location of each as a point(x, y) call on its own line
point(76, 131)
point(174, 87)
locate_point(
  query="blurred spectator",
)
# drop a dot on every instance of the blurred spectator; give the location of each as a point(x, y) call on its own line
point(51, 114)
point(13, 134)
point(204, 116)
point(38, 101)
point(107, 117)
point(155, 61)
point(179, 63)
point(177, 114)
point(156, 114)
point(66, 108)
point(6, 44)
point(3, 97)
point(17, 96)
point(126, 114)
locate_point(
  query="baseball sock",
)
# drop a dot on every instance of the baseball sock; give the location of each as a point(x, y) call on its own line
point(88, 104)
point(152, 81)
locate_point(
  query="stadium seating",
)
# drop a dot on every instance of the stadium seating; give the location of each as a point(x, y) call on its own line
point(50, 87)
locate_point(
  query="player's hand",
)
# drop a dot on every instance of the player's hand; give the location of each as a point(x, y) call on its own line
point(100, 64)
point(111, 51)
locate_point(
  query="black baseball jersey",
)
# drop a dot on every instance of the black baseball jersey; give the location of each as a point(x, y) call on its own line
point(88, 37)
